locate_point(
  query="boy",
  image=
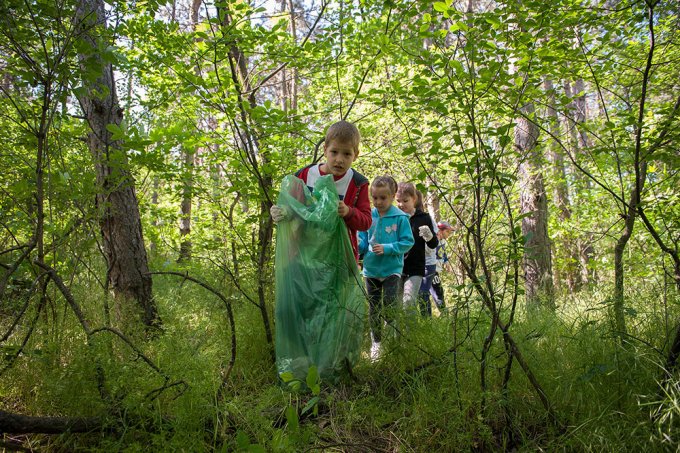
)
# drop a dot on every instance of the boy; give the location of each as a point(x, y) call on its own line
point(320, 309)
point(437, 290)
point(341, 149)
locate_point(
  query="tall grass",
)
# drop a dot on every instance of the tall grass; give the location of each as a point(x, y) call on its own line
point(422, 395)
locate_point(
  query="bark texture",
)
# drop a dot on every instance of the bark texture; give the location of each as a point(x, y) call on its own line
point(567, 273)
point(580, 143)
point(190, 157)
point(119, 219)
point(537, 255)
point(24, 424)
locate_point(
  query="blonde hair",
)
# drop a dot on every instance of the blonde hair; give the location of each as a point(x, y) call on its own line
point(385, 181)
point(409, 189)
point(344, 132)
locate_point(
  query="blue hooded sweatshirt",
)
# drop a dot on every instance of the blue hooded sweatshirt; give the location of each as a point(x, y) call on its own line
point(393, 231)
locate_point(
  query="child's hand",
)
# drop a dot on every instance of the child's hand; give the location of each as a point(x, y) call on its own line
point(278, 213)
point(378, 249)
point(343, 209)
point(425, 232)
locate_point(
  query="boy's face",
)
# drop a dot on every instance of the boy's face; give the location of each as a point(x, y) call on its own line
point(339, 157)
point(382, 199)
point(444, 233)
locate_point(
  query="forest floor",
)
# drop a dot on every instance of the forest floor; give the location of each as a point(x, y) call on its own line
point(427, 392)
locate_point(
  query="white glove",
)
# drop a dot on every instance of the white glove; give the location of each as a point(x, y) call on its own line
point(279, 213)
point(425, 232)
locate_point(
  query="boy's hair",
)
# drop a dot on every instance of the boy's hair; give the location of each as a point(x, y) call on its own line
point(344, 132)
point(385, 181)
point(444, 226)
point(409, 189)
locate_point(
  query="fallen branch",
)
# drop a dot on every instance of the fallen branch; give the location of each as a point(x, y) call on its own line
point(24, 424)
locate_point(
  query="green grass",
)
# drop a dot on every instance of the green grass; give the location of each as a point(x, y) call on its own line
point(416, 398)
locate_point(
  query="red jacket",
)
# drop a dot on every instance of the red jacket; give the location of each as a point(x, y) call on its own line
point(353, 190)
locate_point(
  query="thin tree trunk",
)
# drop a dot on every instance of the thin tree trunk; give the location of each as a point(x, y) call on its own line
point(569, 271)
point(185, 207)
point(559, 181)
point(121, 227)
point(190, 157)
point(246, 136)
point(284, 95)
point(580, 143)
point(432, 204)
point(534, 205)
point(640, 169)
point(620, 247)
point(293, 92)
point(585, 246)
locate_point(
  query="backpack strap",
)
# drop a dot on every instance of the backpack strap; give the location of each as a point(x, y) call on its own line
point(299, 172)
point(359, 180)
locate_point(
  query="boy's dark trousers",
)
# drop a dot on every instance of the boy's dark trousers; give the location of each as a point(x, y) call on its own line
point(432, 285)
point(382, 302)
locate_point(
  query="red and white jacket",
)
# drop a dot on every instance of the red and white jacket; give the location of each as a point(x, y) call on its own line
point(353, 190)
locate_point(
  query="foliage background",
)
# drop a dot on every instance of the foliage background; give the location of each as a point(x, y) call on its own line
point(222, 99)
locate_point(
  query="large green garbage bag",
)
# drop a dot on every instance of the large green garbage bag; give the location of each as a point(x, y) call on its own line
point(320, 305)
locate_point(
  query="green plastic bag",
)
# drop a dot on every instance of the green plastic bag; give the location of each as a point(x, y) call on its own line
point(320, 304)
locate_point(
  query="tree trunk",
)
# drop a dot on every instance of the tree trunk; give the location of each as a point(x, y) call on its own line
point(580, 143)
point(567, 272)
point(293, 91)
point(245, 133)
point(121, 227)
point(189, 163)
point(432, 204)
point(537, 259)
point(620, 247)
point(185, 206)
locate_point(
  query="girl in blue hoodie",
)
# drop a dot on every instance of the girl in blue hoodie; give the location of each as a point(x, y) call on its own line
point(384, 246)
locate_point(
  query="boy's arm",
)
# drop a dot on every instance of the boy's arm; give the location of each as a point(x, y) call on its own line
point(359, 216)
point(280, 213)
point(404, 240)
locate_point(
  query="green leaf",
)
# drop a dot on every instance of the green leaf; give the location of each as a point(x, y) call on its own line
point(311, 404)
point(287, 376)
point(440, 7)
point(242, 440)
point(313, 380)
point(117, 133)
point(493, 20)
point(292, 419)
point(411, 149)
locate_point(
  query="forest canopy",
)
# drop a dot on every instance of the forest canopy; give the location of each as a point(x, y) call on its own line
point(144, 143)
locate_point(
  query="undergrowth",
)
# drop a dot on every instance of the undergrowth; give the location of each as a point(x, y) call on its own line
point(424, 394)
